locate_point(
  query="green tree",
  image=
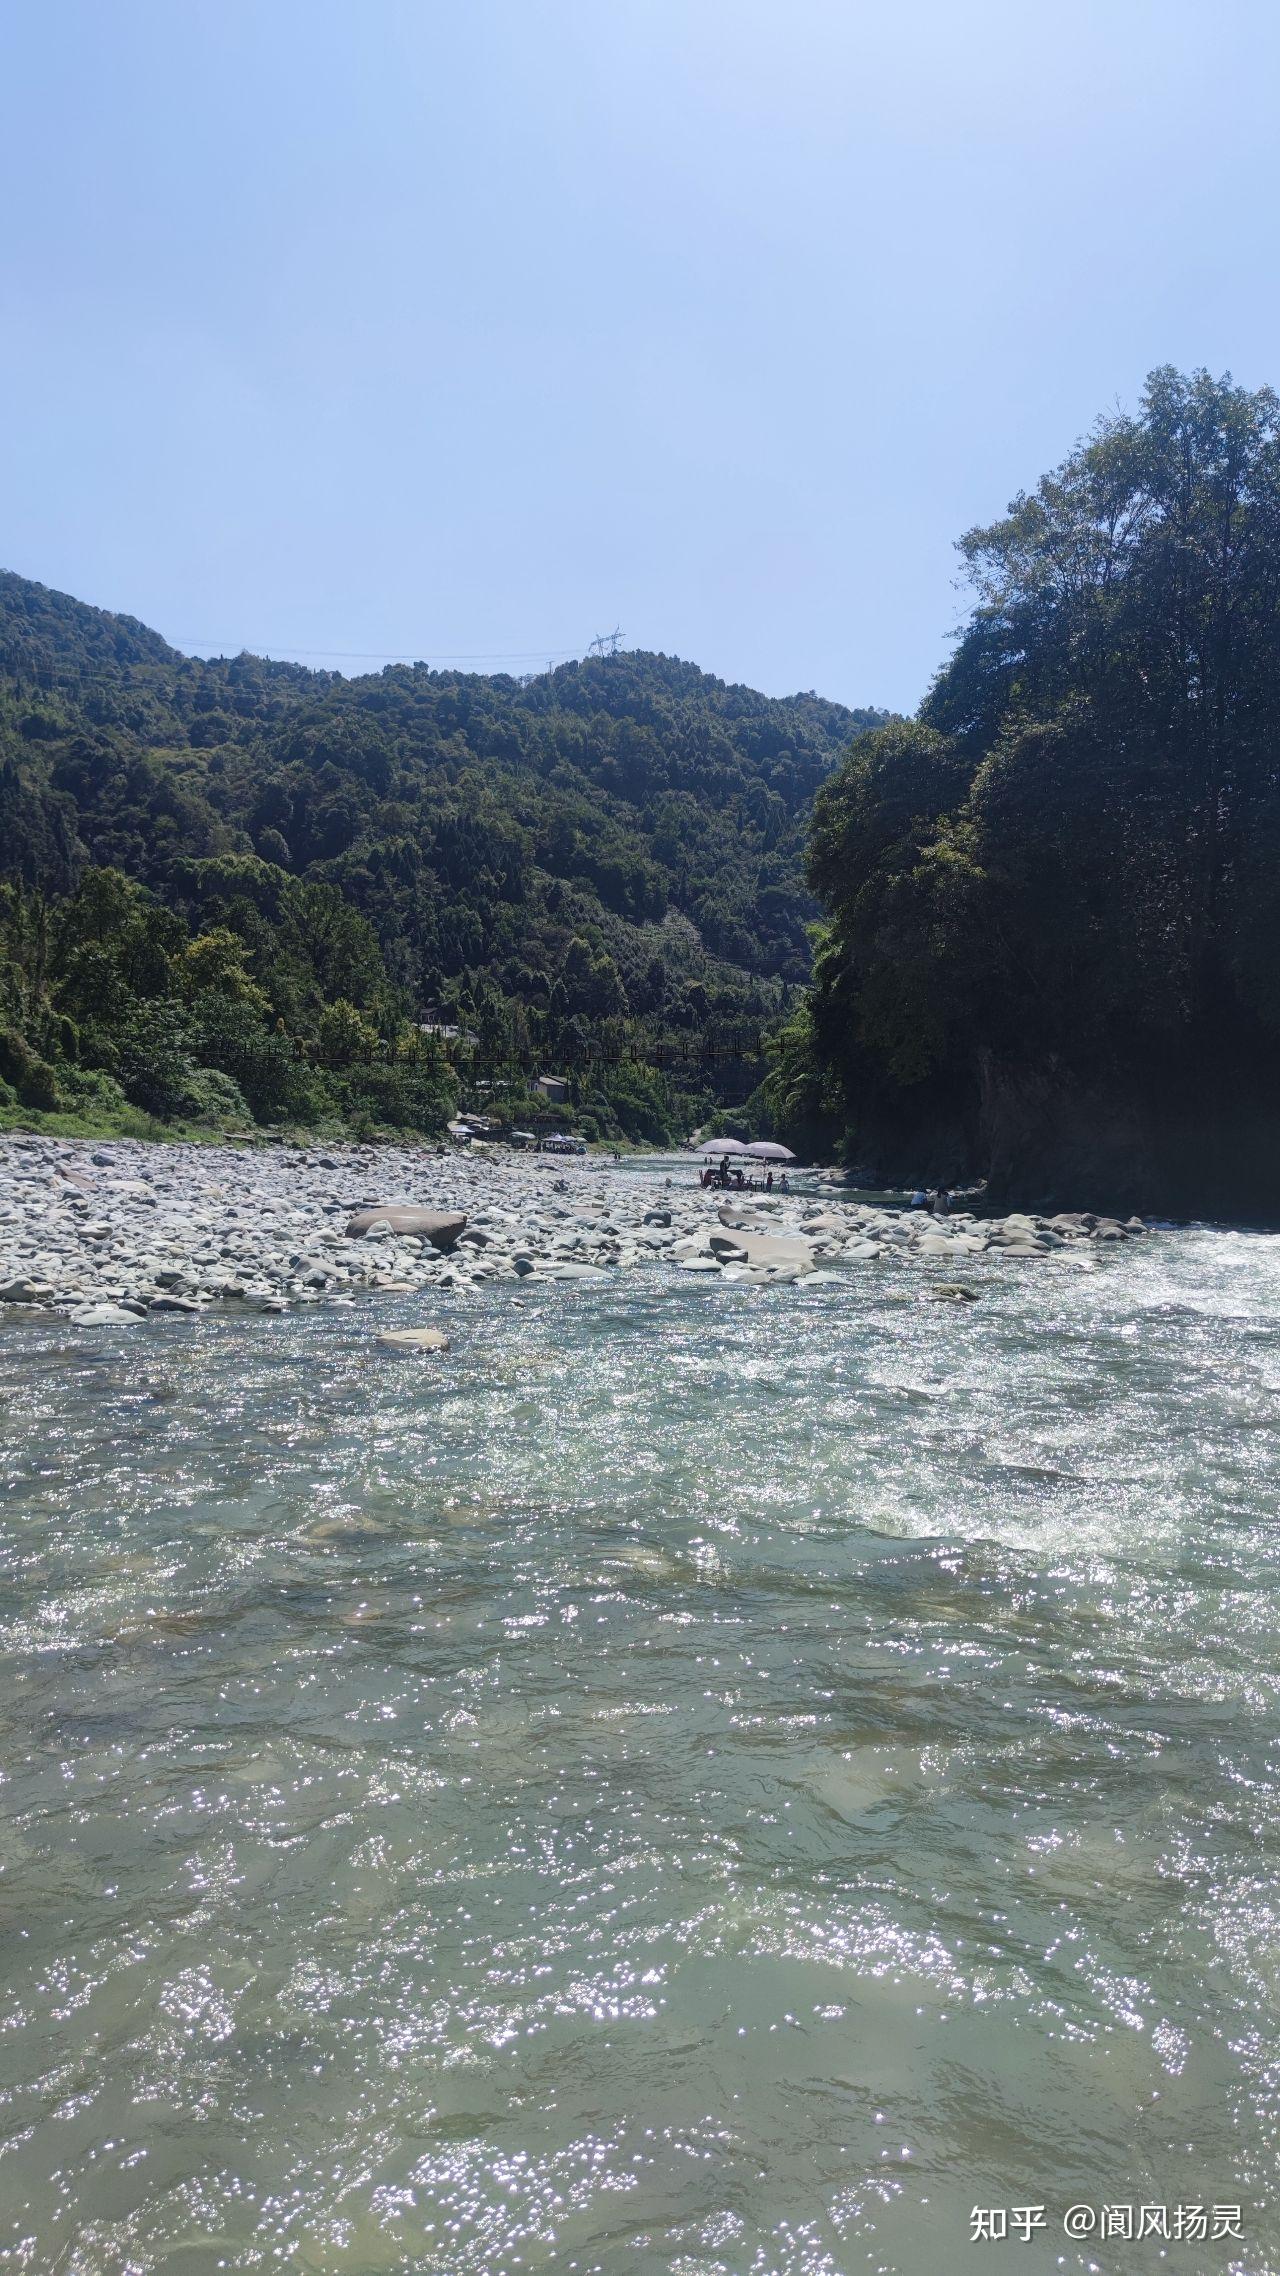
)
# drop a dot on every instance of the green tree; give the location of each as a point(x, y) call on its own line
point(345, 1038)
point(152, 1058)
point(1060, 874)
point(215, 961)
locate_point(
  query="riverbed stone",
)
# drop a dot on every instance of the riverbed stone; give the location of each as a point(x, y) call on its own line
point(414, 1339)
point(775, 1252)
point(177, 1227)
point(439, 1226)
point(726, 1245)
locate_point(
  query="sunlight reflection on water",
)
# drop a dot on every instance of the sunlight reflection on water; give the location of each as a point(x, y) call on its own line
point(710, 1779)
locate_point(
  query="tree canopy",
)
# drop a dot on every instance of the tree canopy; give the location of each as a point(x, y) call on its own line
point(1059, 878)
point(601, 866)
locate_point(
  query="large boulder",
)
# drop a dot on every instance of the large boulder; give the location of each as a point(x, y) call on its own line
point(766, 1252)
point(22, 1291)
point(439, 1226)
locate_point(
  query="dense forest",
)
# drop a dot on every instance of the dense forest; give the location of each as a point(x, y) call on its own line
point(1052, 947)
point(239, 891)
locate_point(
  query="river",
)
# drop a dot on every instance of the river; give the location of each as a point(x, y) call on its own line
point(705, 1779)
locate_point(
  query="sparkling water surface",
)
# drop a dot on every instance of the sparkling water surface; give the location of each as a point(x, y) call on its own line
point(708, 1779)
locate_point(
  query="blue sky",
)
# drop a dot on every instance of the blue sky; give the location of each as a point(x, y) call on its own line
point(471, 330)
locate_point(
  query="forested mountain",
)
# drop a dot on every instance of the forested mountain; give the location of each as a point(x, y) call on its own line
point(601, 866)
point(1053, 953)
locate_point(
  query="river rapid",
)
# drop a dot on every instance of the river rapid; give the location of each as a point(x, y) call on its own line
point(703, 1778)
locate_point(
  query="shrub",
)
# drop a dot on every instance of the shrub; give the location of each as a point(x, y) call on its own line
point(40, 1089)
point(15, 1057)
point(638, 1104)
point(33, 1080)
point(154, 1068)
point(233, 1038)
point(345, 1038)
point(405, 1098)
point(217, 1100)
point(92, 1089)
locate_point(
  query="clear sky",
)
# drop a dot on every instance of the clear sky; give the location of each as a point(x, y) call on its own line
point(470, 328)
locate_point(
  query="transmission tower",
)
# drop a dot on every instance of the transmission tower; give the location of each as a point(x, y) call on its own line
point(606, 643)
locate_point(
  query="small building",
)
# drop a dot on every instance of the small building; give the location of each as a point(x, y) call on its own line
point(554, 1088)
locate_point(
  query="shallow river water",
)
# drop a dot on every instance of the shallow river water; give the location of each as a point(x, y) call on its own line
point(711, 1780)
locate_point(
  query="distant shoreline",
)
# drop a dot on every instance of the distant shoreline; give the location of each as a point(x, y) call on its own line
point(111, 1232)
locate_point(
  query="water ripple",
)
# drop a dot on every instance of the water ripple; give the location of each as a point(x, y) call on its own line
point(713, 1780)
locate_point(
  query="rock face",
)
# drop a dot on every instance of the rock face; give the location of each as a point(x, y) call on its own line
point(439, 1226)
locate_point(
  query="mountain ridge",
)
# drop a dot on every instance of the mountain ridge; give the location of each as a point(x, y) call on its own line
point(619, 839)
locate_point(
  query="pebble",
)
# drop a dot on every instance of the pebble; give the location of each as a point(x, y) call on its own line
point(110, 1232)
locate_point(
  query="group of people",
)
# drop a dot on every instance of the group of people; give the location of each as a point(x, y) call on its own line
point(735, 1180)
point(937, 1201)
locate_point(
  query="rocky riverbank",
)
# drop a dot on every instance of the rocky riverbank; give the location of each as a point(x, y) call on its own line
point(109, 1232)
